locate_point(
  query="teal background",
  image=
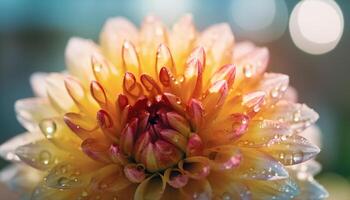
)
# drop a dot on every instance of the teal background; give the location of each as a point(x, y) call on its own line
point(33, 35)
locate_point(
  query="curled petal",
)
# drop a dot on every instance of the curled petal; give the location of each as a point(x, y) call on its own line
point(175, 178)
point(150, 84)
point(130, 86)
point(194, 146)
point(114, 32)
point(215, 96)
point(122, 101)
point(131, 61)
point(166, 154)
point(164, 59)
point(135, 172)
point(96, 150)
point(151, 189)
point(141, 144)
point(98, 93)
point(174, 138)
point(74, 88)
point(195, 167)
point(193, 75)
point(226, 72)
point(291, 150)
point(178, 123)
point(116, 154)
point(175, 102)
point(80, 124)
point(127, 137)
point(196, 112)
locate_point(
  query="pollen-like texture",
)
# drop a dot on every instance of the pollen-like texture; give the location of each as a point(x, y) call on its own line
point(164, 114)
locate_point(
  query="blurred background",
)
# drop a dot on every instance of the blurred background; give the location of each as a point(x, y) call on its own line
point(308, 40)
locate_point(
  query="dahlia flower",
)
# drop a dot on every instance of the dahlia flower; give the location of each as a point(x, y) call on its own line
point(163, 114)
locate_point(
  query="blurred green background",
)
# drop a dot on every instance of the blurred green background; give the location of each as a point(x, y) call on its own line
point(33, 35)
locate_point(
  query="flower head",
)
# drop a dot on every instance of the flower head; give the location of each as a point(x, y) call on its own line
point(163, 114)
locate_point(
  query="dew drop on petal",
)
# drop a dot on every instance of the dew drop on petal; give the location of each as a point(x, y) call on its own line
point(48, 127)
point(45, 157)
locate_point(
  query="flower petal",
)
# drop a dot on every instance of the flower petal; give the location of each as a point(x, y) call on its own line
point(114, 32)
point(224, 157)
point(78, 58)
point(197, 189)
point(291, 150)
point(297, 116)
point(37, 82)
point(150, 189)
point(32, 110)
point(175, 178)
point(180, 41)
point(257, 165)
point(195, 167)
point(7, 149)
point(152, 34)
point(218, 41)
point(96, 150)
point(109, 178)
point(41, 154)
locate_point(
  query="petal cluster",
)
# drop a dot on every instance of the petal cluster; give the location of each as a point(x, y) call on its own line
point(153, 113)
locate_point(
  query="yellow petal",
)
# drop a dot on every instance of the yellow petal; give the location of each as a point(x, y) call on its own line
point(114, 32)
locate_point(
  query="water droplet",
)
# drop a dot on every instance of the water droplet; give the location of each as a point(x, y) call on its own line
point(247, 70)
point(63, 181)
point(274, 93)
point(97, 68)
point(48, 127)
point(226, 196)
point(296, 116)
point(181, 78)
point(45, 157)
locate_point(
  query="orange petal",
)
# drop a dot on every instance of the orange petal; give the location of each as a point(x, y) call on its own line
point(151, 189)
point(175, 138)
point(215, 96)
point(196, 113)
point(96, 150)
point(195, 167)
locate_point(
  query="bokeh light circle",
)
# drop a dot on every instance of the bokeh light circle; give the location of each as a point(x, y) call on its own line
point(259, 20)
point(316, 26)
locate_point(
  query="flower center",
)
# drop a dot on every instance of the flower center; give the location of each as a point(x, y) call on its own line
point(155, 135)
